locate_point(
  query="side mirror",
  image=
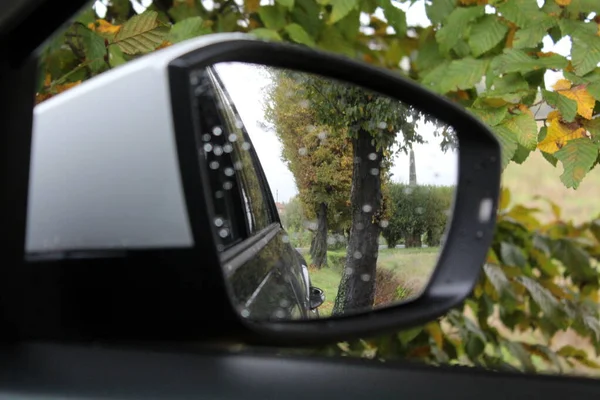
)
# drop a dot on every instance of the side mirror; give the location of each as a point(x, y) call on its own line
point(163, 187)
point(317, 297)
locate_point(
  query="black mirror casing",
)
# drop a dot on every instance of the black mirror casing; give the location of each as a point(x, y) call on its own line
point(472, 224)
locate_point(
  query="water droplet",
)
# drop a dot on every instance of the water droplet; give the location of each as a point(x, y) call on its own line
point(304, 103)
point(217, 131)
point(357, 160)
point(357, 254)
point(285, 239)
point(436, 175)
point(360, 226)
point(238, 124)
point(227, 185)
point(217, 150)
point(479, 234)
point(349, 271)
point(322, 135)
point(382, 125)
point(220, 247)
point(284, 303)
point(238, 165)
point(384, 223)
point(213, 165)
point(207, 147)
point(367, 208)
point(245, 146)
point(194, 80)
point(218, 222)
point(374, 171)
point(223, 233)
point(229, 171)
point(408, 190)
point(311, 128)
point(448, 212)
point(279, 313)
point(206, 137)
point(244, 313)
point(331, 240)
point(219, 194)
point(373, 156)
point(419, 210)
point(302, 151)
point(227, 148)
point(365, 277)
point(232, 137)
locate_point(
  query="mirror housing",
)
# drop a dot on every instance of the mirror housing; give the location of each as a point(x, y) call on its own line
point(154, 100)
point(317, 297)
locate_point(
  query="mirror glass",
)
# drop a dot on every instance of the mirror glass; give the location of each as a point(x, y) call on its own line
point(362, 184)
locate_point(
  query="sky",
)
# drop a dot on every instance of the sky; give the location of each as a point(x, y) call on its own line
point(246, 86)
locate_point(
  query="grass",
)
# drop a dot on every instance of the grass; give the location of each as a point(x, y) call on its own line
point(412, 266)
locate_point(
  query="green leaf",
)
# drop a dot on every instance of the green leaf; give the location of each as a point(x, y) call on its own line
point(512, 255)
point(508, 143)
point(585, 53)
point(461, 49)
point(115, 56)
point(509, 87)
point(341, 8)
point(584, 6)
point(94, 49)
point(438, 10)
point(518, 351)
point(566, 106)
point(532, 36)
point(549, 305)
point(474, 347)
point(407, 335)
point(140, 34)
point(498, 279)
point(306, 13)
point(333, 41)
point(349, 26)
point(187, 29)
point(524, 129)
point(266, 34)
point(514, 60)
point(299, 35)
point(455, 25)
point(521, 154)
point(486, 34)
point(489, 115)
point(286, 3)
point(428, 55)
point(462, 74)
point(396, 17)
point(575, 259)
point(273, 17)
point(523, 13)
point(87, 17)
point(577, 157)
point(550, 158)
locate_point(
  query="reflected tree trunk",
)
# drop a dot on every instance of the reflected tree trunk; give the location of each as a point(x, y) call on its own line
point(318, 246)
point(357, 286)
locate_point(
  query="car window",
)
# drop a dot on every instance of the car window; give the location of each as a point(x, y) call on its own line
point(252, 186)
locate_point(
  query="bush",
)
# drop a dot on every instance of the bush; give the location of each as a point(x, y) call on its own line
point(390, 288)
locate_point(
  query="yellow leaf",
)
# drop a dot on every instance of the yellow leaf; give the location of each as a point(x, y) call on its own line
point(474, 2)
point(504, 198)
point(103, 26)
point(559, 134)
point(47, 80)
point(585, 101)
point(434, 330)
point(66, 86)
point(164, 44)
point(563, 2)
point(251, 5)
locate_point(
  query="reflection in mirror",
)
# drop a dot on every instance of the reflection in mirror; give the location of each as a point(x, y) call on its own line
point(363, 185)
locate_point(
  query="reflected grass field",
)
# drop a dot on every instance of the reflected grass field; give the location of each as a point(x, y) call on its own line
point(412, 266)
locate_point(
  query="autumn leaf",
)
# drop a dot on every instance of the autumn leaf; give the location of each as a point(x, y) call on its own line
point(563, 2)
point(103, 26)
point(251, 5)
point(585, 101)
point(435, 331)
point(164, 44)
point(140, 34)
point(559, 133)
point(577, 157)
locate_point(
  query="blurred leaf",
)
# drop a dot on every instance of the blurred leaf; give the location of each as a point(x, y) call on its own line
point(438, 10)
point(407, 335)
point(267, 34)
point(435, 331)
point(94, 49)
point(452, 31)
point(187, 29)
point(566, 106)
point(523, 13)
point(515, 60)
point(273, 17)
point(559, 134)
point(341, 8)
point(115, 56)
point(286, 3)
point(395, 16)
point(585, 101)
point(512, 255)
point(459, 74)
point(299, 35)
point(524, 128)
point(508, 143)
point(518, 351)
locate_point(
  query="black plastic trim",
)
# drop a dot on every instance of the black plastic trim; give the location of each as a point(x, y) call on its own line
point(468, 236)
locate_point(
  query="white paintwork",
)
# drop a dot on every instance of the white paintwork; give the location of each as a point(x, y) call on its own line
point(104, 171)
